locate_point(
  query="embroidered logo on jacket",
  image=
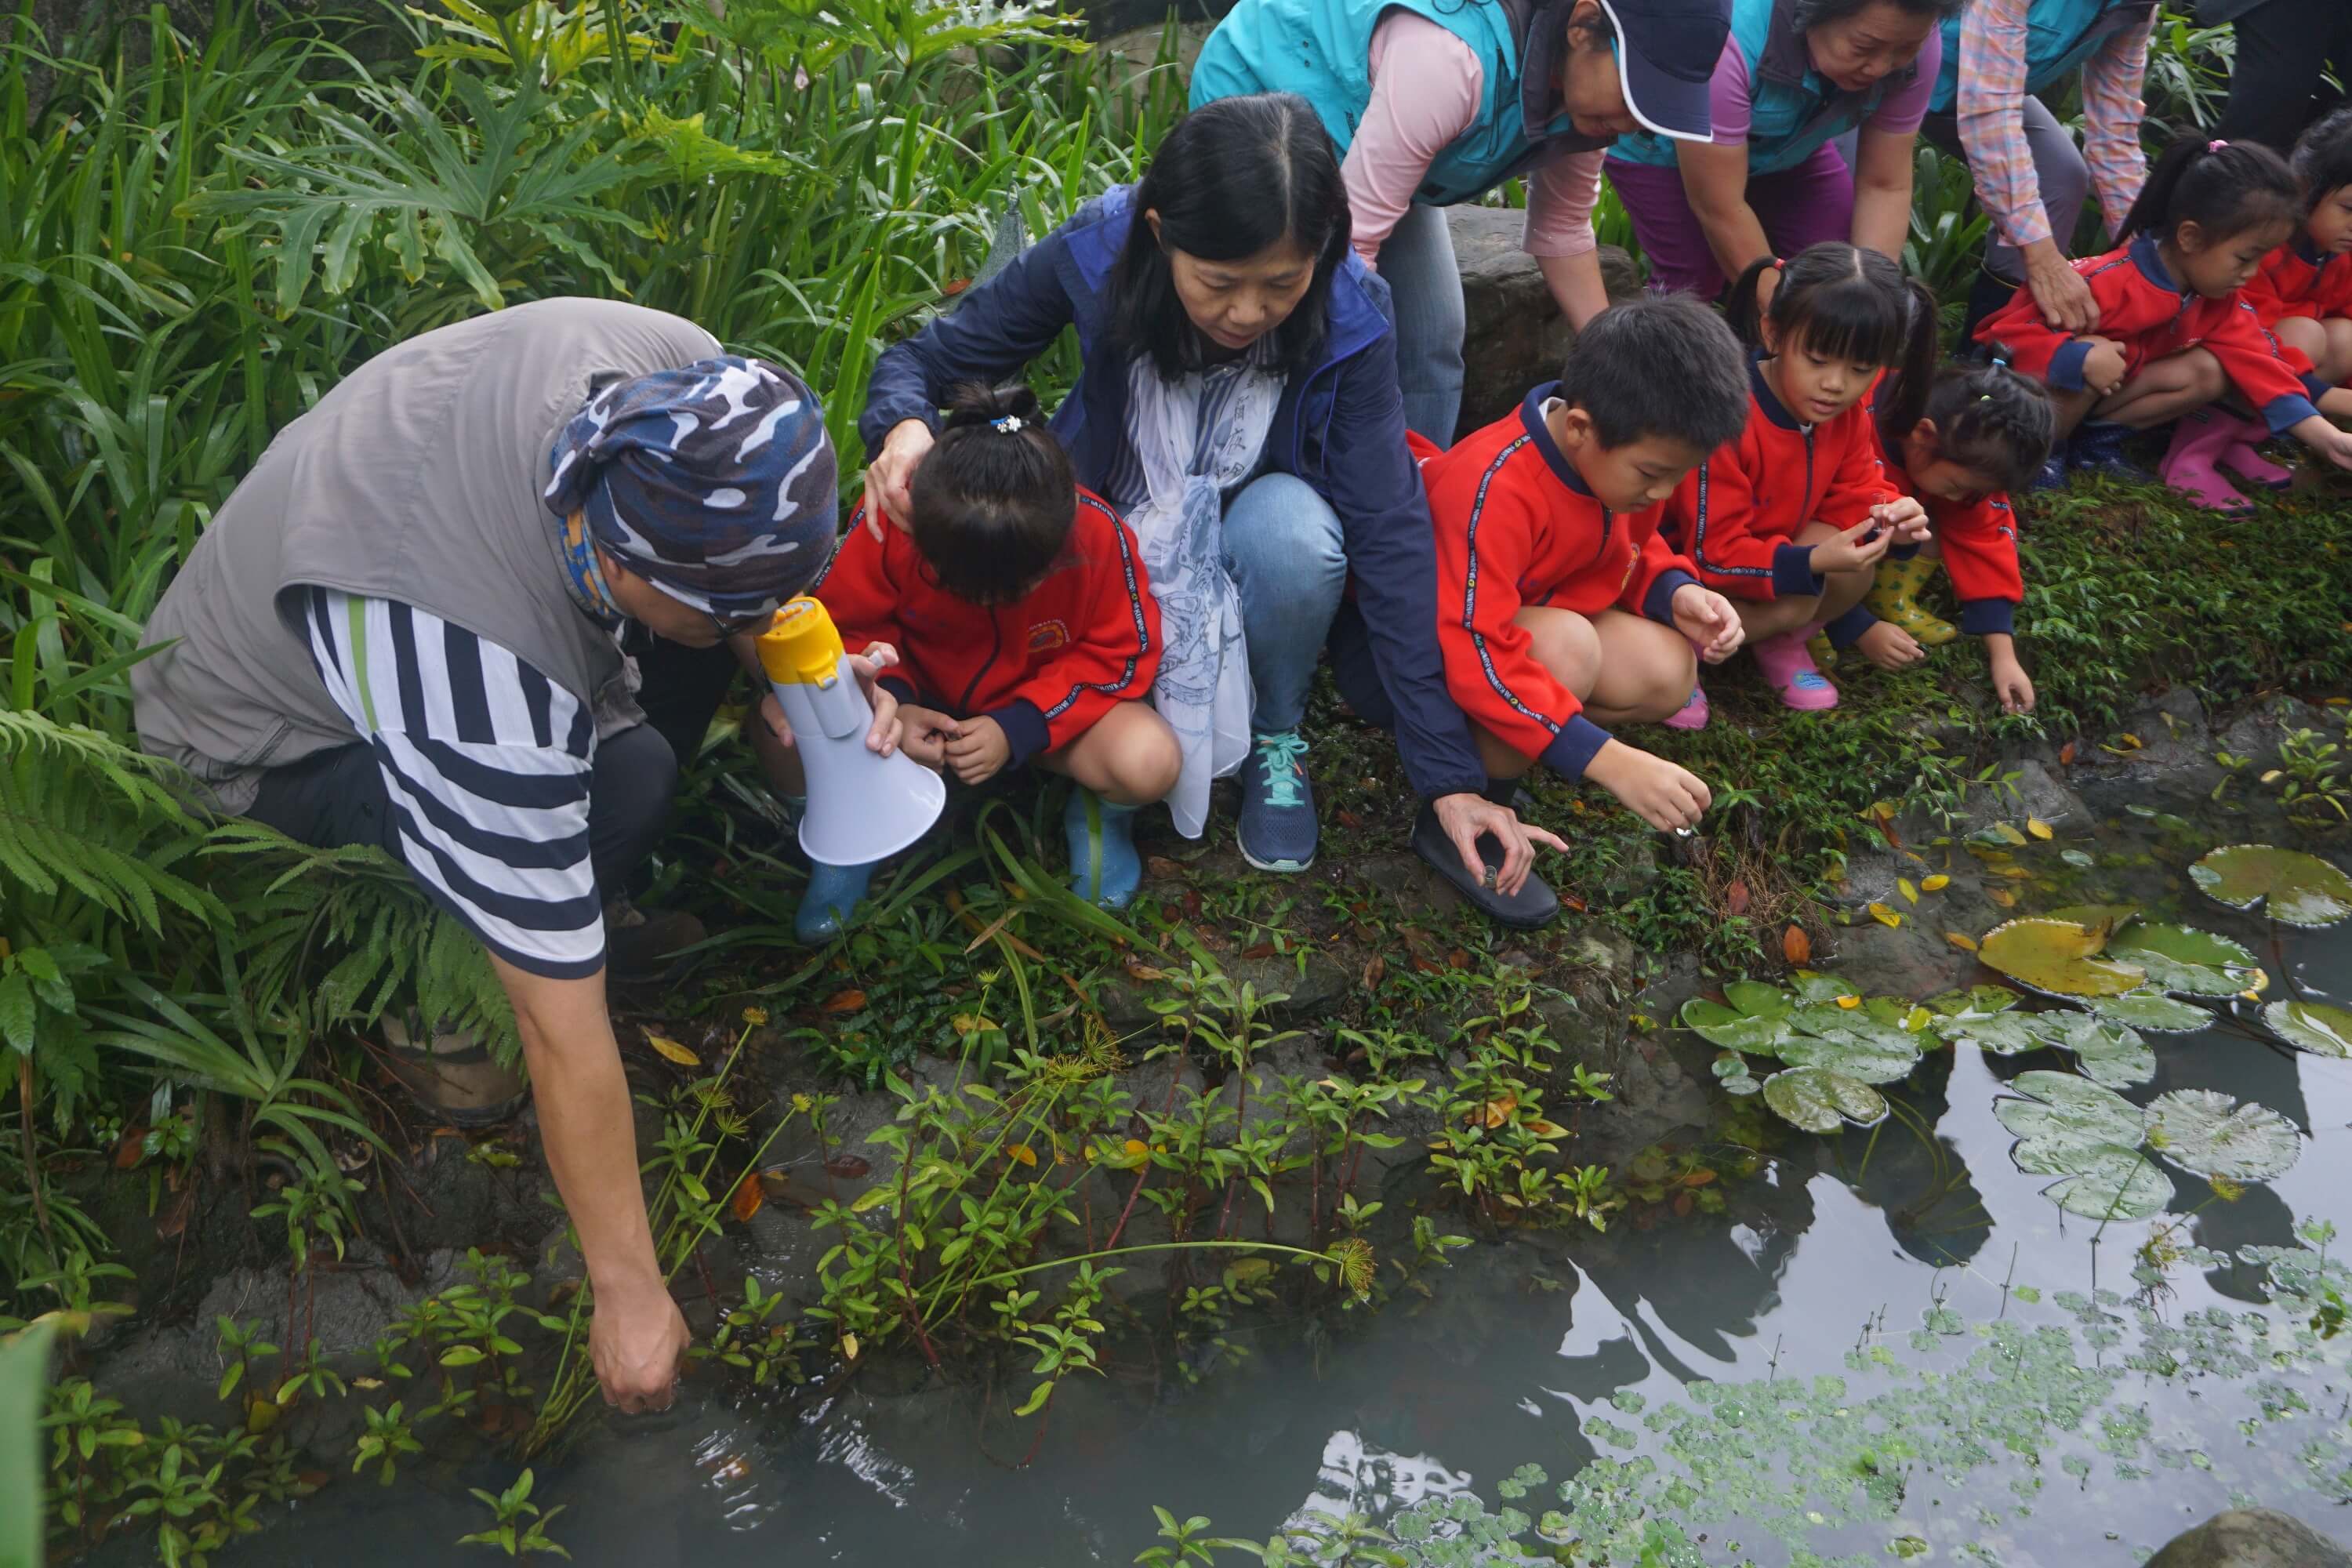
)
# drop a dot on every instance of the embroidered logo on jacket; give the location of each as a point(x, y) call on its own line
point(1044, 636)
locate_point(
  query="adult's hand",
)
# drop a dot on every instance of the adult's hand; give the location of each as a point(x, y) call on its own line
point(1467, 817)
point(637, 1341)
point(886, 731)
point(892, 470)
point(2064, 299)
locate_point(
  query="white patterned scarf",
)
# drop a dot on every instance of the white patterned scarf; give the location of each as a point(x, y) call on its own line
point(1194, 441)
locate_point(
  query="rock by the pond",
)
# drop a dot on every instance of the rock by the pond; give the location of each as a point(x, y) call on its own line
point(2250, 1538)
point(1514, 335)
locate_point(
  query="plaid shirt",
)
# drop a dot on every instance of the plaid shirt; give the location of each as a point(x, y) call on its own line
point(1989, 108)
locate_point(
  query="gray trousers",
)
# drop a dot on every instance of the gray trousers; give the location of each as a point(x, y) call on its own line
point(2058, 166)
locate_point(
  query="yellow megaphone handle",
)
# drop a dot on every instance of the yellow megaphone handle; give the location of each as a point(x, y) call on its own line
point(801, 648)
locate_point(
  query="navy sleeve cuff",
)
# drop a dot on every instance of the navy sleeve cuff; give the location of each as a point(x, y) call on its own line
point(897, 686)
point(1658, 604)
point(1573, 750)
point(1979, 617)
point(1904, 552)
point(2066, 366)
point(1847, 629)
point(1024, 727)
point(2282, 413)
point(2314, 387)
point(1792, 573)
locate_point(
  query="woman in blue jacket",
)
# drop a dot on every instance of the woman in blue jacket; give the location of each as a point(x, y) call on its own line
point(1238, 403)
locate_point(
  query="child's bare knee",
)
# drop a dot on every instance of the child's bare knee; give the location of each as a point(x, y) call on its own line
point(2207, 380)
point(1565, 643)
point(1148, 765)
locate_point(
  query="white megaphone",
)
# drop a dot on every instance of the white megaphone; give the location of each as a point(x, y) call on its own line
point(862, 807)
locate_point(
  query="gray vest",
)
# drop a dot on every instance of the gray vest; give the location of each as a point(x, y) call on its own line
point(417, 478)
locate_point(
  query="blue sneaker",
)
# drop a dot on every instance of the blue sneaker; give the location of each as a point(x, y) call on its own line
point(1104, 869)
point(1277, 829)
point(2098, 446)
point(2052, 475)
point(832, 898)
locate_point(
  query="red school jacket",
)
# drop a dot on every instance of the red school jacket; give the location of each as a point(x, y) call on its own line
point(1516, 525)
point(1979, 539)
point(1738, 515)
point(1045, 669)
point(2296, 280)
point(2141, 308)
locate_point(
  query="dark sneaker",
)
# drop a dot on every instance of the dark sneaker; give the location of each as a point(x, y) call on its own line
point(1534, 905)
point(1277, 829)
point(641, 946)
point(2052, 475)
point(2099, 447)
point(449, 1073)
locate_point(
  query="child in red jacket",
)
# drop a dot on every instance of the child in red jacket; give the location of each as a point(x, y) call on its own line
point(1981, 431)
point(2176, 331)
point(2303, 292)
point(1024, 630)
point(1558, 603)
point(1792, 518)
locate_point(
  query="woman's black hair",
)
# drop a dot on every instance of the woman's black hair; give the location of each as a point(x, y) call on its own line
point(2223, 187)
point(2323, 157)
point(1236, 176)
point(994, 499)
point(1807, 14)
point(1841, 302)
point(1988, 417)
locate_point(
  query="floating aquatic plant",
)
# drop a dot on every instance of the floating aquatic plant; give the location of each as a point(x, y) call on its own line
point(2319, 1027)
point(2094, 1138)
point(2298, 889)
point(2059, 958)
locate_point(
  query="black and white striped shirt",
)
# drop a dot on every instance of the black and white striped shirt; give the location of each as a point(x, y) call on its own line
point(487, 764)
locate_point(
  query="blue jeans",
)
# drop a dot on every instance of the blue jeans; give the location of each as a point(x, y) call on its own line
point(1284, 552)
point(1426, 291)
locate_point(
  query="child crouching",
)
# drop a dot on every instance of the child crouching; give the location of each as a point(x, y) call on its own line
point(1025, 632)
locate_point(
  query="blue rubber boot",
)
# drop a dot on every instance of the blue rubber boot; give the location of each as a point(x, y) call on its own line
point(2054, 469)
point(1104, 869)
point(832, 898)
point(2098, 446)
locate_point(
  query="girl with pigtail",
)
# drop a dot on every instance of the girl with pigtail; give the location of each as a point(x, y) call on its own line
point(1791, 519)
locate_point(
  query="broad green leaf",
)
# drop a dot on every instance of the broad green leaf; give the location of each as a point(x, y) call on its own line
point(1974, 999)
point(2058, 957)
point(2002, 1034)
point(1878, 1056)
point(2178, 958)
point(2209, 1134)
point(2103, 1181)
point(24, 1371)
point(1811, 985)
point(2063, 1108)
point(1734, 1031)
point(1758, 1000)
point(2152, 1010)
point(2105, 1052)
point(2319, 1027)
point(1820, 1100)
point(2112, 916)
point(2300, 889)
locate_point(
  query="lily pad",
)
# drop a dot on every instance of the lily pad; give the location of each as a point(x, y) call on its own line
point(2108, 1181)
point(2209, 1134)
point(1811, 985)
point(2002, 1033)
point(2058, 957)
point(1758, 1000)
point(1876, 1056)
point(1820, 1101)
point(2152, 1010)
point(2180, 958)
point(2094, 916)
point(2066, 1110)
point(1976, 999)
point(2106, 1053)
point(2319, 1027)
point(1734, 1030)
point(2300, 889)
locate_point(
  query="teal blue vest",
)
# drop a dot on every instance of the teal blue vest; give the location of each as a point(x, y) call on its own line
point(1321, 50)
point(1792, 108)
point(2060, 35)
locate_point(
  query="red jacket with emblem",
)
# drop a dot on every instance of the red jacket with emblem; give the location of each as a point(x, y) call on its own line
point(1738, 515)
point(2293, 282)
point(1517, 526)
point(1979, 542)
point(2141, 308)
point(1045, 669)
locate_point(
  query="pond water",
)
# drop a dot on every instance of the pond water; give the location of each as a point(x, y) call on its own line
point(1839, 1261)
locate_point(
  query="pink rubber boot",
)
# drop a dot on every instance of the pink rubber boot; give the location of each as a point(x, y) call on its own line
point(1692, 714)
point(2197, 443)
point(1790, 668)
point(2244, 456)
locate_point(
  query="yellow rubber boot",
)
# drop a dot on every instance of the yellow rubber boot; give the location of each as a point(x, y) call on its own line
point(1894, 599)
point(1824, 656)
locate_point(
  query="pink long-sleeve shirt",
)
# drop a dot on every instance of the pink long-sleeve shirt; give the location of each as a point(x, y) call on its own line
point(1416, 111)
point(1989, 108)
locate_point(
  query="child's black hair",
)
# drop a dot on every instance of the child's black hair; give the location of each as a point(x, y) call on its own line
point(1661, 365)
point(994, 499)
point(1841, 302)
point(1986, 418)
point(2323, 157)
point(2223, 187)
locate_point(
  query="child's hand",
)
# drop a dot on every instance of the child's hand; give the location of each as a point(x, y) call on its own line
point(977, 749)
point(2104, 366)
point(1708, 619)
point(1904, 517)
point(927, 732)
point(1853, 549)
point(1889, 647)
point(2010, 683)
point(1654, 789)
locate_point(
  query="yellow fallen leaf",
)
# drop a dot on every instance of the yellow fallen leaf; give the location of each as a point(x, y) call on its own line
point(1884, 916)
point(1021, 1153)
point(671, 1050)
point(1965, 942)
point(2009, 833)
point(971, 1023)
point(1903, 886)
point(1134, 1149)
point(2014, 873)
point(370, 1384)
point(2003, 896)
point(2036, 826)
point(1849, 1003)
point(2273, 775)
point(849, 1346)
point(1934, 884)
point(1494, 1113)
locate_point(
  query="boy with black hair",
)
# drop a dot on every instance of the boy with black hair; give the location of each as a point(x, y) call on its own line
point(1557, 598)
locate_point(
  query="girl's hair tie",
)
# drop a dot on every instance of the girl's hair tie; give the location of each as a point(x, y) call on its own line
point(2215, 145)
point(1999, 361)
point(1006, 424)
